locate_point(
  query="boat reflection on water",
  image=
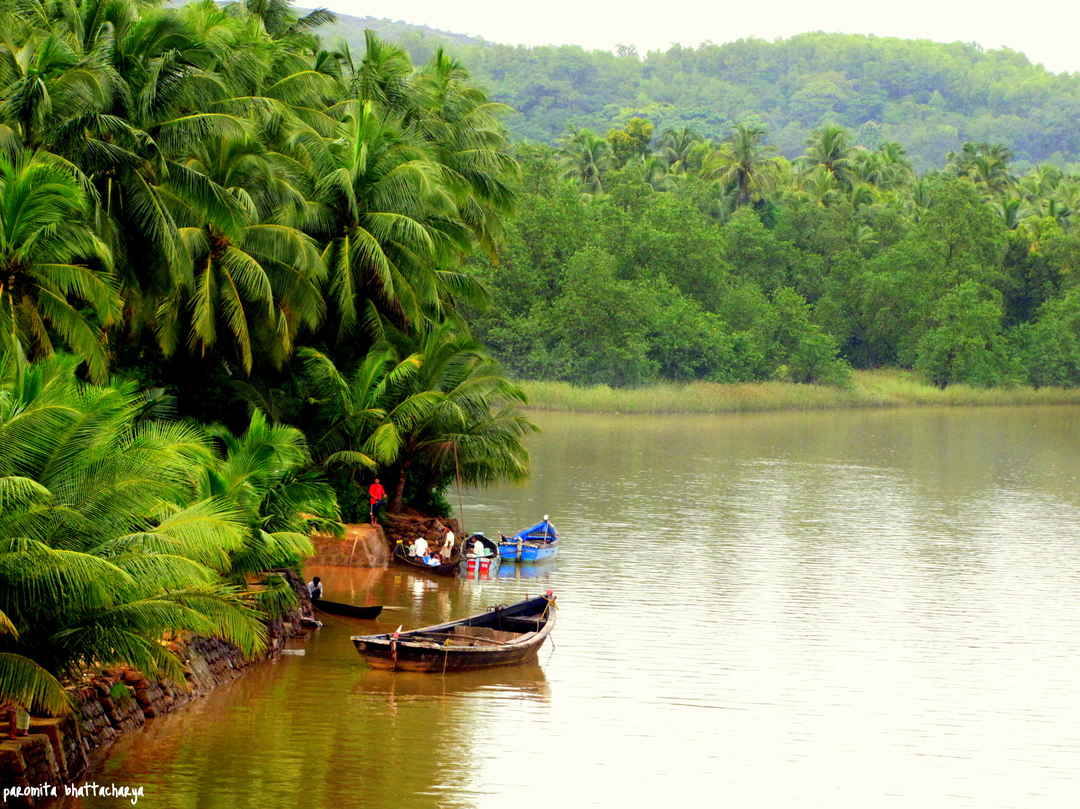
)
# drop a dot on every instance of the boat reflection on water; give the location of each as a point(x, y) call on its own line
point(525, 570)
point(511, 683)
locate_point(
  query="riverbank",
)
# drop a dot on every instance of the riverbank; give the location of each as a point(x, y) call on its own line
point(59, 751)
point(877, 388)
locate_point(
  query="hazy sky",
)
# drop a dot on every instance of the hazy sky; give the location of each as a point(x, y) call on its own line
point(1048, 31)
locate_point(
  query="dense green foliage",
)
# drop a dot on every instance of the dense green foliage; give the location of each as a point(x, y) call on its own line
point(241, 274)
point(114, 529)
point(636, 258)
point(931, 97)
point(208, 223)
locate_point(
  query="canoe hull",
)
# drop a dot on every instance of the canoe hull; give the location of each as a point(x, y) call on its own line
point(351, 610)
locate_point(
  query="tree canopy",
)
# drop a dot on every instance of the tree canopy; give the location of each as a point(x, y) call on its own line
point(931, 97)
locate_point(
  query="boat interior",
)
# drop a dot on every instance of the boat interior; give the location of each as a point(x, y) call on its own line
point(506, 629)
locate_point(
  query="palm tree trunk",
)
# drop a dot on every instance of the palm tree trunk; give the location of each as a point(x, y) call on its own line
point(399, 488)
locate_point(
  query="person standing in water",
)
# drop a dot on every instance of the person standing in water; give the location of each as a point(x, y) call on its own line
point(314, 589)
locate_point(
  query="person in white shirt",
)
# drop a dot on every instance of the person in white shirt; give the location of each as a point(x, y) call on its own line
point(420, 547)
point(479, 548)
point(448, 544)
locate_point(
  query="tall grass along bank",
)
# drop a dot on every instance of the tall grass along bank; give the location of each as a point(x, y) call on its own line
point(877, 388)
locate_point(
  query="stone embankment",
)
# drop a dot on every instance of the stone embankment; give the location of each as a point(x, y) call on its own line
point(365, 545)
point(362, 545)
point(58, 751)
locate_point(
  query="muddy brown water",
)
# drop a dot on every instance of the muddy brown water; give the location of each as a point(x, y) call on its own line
point(848, 609)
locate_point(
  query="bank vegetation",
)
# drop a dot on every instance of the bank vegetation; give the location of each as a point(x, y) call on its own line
point(867, 389)
point(230, 295)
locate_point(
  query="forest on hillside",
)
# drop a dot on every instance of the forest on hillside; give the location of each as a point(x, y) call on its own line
point(640, 256)
point(929, 96)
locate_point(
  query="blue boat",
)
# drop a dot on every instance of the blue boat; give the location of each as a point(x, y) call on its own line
point(541, 541)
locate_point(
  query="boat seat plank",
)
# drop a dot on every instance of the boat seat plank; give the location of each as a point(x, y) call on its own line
point(521, 623)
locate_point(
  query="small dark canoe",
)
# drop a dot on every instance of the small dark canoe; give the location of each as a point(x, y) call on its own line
point(505, 636)
point(351, 610)
point(401, 554)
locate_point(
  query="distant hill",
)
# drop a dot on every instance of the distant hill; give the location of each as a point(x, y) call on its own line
point(420, 40)
point(929, 96)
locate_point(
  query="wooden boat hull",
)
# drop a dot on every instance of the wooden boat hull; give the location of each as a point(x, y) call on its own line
point(445, 569)
point(351, 610)
point(437, 662)
point(506, 636)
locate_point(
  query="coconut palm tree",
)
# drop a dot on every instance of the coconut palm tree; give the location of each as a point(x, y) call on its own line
point(249, 276)
point(744, 164)
point(48, 79)
point(585, 157)
point(55, 273)
point(462, 128)
point(460, 418)
point(680, 148)
point(430, 408)
point(885, 167)
point(831, 148)
point(104, 545)
point(266, 473)
point(987, 164)
point(386, 215)
point(280, 20)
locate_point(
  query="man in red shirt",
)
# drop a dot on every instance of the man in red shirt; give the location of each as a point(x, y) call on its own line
point(376, 498)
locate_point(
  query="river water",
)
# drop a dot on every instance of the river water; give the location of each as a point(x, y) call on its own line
point(845, 609)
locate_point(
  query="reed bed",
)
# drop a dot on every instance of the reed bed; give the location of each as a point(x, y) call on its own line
point(876, 388)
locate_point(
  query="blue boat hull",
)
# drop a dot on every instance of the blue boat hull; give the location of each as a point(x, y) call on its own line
point(540, 551)
point(509, 551)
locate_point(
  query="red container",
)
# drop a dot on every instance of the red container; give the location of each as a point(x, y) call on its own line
point(485, 567)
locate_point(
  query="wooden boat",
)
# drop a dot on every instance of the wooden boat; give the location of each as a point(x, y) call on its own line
point(534, 544)
point(473, 566)
point(448, 568)
point(351, 610)
point(505, 636)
